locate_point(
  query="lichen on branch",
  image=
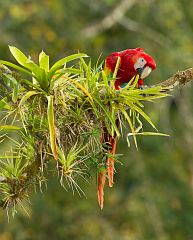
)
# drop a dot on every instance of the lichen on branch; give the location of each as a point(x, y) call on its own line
point(179, 79)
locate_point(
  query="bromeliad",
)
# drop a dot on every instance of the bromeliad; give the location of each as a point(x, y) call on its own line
point(132, 62)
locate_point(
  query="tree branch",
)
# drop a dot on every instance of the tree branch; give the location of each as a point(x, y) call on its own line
point(148, 32)
point(108, 21)
point(117, 15)
point(180, 78)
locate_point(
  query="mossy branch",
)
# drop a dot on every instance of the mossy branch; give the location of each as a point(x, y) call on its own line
point(179, 79)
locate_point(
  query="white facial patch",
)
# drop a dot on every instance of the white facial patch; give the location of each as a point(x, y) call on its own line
point(140, 63)
point(147, 70)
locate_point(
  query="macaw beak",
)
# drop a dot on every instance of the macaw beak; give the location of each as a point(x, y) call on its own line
point(146, 71)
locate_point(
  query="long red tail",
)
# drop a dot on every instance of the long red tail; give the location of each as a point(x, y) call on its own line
point(111, 161)
point(100, 190)
point(112, 142)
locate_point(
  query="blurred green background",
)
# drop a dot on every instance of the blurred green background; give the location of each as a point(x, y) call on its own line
point(153, 193)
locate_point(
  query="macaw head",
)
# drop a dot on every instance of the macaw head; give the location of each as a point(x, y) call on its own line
point(143, 63)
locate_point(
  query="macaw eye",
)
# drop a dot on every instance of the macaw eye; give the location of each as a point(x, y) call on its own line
point(140, 63)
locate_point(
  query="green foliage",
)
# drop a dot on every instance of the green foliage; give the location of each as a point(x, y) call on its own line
point(40, 73)
point(59, 112)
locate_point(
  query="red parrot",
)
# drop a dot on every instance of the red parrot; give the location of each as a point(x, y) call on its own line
point(132, 62)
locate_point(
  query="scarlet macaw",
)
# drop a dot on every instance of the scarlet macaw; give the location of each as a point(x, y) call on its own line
point(132, 62)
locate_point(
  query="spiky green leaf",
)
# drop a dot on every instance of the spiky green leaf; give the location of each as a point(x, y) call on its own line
point(20, 69)
point(9, 127)
point(52, 128)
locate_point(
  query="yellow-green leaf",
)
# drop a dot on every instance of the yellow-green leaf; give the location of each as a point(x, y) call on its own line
point(9, 127)
point(4, 104)
point(130, 124)
point(27, 96)
point(52, 128)
point(82, 88)
point(144, 115)
point(44, 61)
point(12, 65)
point(18, 55)
point(151, 134)
point(63, 61)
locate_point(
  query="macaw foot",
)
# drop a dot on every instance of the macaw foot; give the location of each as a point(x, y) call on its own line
point(143, 87)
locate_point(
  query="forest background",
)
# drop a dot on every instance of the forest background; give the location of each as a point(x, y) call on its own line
point(153, 194)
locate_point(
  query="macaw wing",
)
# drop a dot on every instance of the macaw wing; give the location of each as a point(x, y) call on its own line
point(110, 62)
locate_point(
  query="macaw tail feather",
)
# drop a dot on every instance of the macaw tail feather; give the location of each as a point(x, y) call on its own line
point(110, 160)
point(111, 143)
point(100, 190)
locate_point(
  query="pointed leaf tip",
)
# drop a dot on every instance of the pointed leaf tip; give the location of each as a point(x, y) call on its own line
point(44, 61)
point(10, 46)
point(18, 55)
